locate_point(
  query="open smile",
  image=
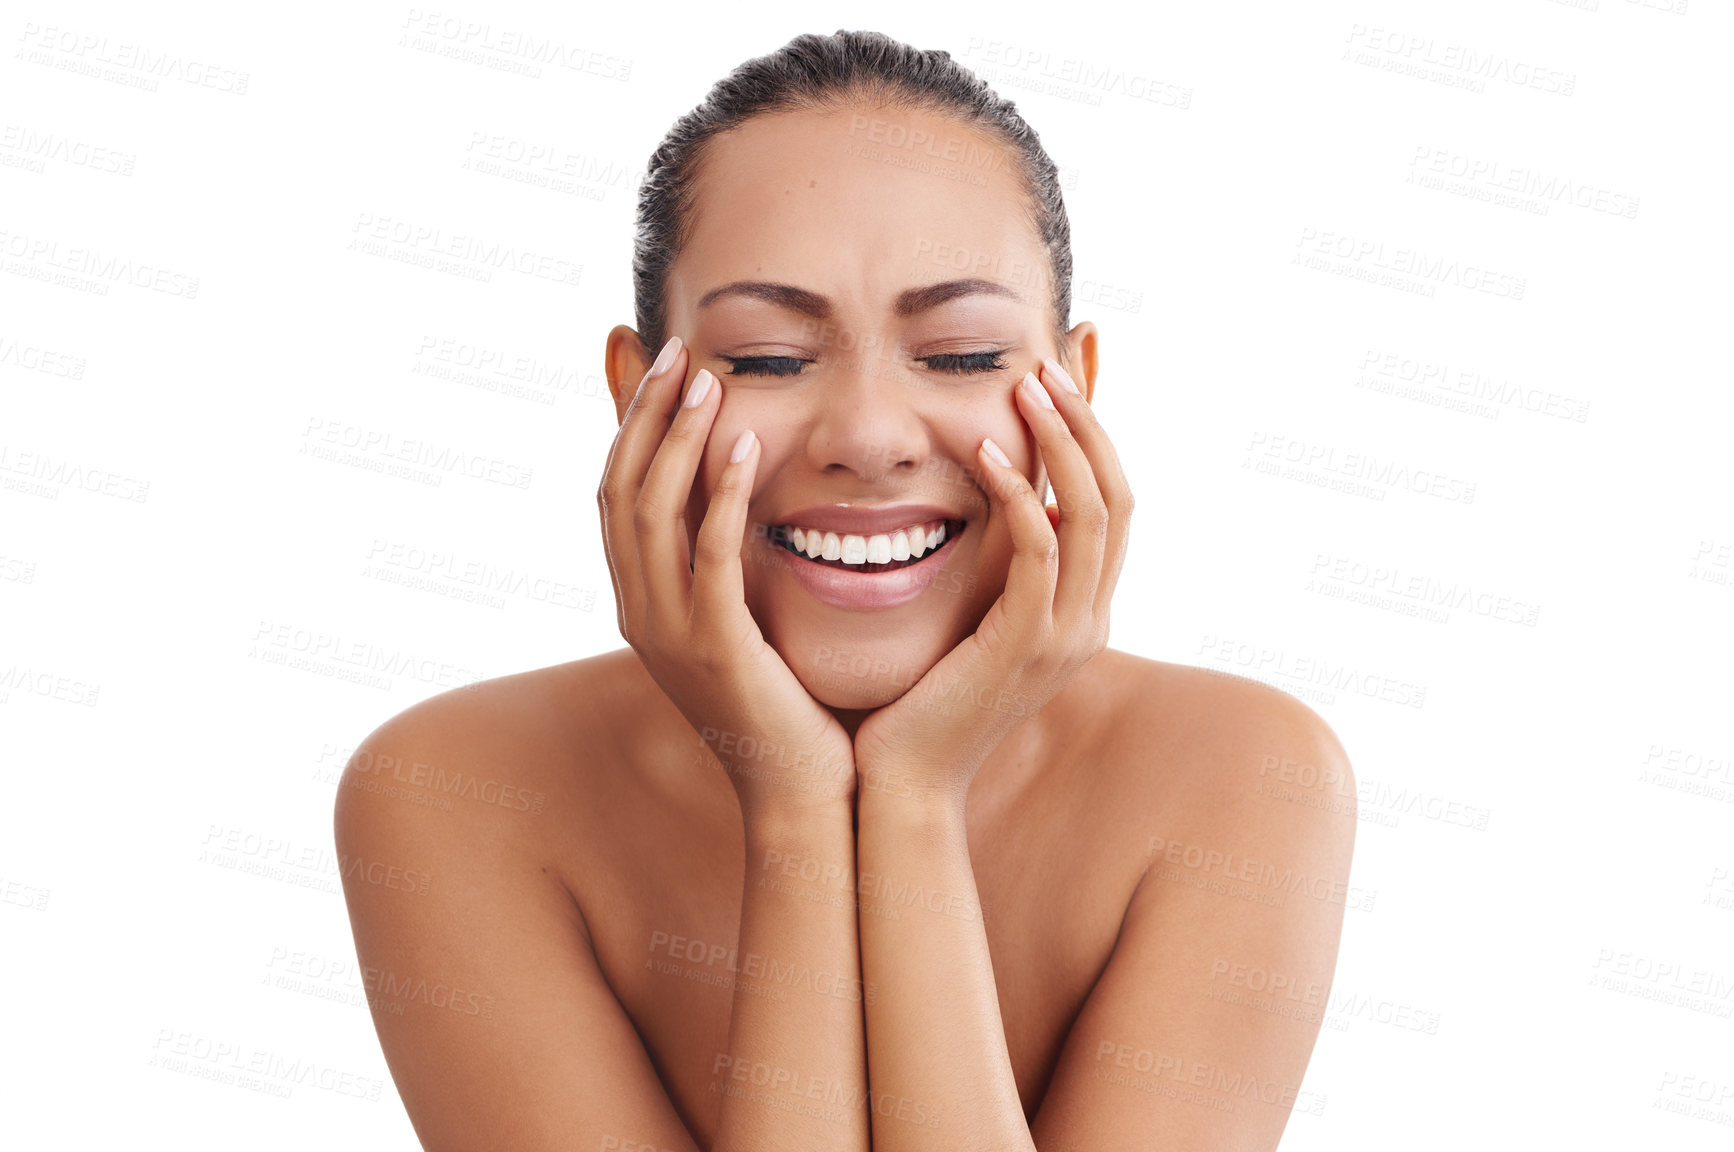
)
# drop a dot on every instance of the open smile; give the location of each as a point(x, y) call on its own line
point(869, 554)
point(816, 561)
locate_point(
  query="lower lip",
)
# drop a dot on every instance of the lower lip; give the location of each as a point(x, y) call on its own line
point(846, 589)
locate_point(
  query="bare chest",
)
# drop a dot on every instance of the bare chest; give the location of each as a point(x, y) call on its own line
point(663, 903)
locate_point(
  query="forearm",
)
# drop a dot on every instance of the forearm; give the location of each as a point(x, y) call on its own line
point(940, 1072)
point(795, 1073)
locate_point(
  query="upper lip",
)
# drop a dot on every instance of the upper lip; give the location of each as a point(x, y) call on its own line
point(866, 519)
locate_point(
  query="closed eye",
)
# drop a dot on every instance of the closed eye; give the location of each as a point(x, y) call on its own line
point(961, 362)
point(764, 365)
point(957, 363)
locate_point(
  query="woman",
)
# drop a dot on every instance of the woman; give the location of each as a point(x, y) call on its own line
point(866, 840)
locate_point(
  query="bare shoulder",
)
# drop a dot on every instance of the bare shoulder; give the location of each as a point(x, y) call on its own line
point(1244, 883)
point(477, 960)
point(513, 744)
point(1214, 755)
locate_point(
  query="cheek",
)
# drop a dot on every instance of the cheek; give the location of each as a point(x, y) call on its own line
point(994, 417)
point(734, 417)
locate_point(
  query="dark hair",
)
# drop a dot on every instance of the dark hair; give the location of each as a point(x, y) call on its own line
point(823, 73)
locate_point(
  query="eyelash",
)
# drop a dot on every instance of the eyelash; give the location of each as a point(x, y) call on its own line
point(957, 363)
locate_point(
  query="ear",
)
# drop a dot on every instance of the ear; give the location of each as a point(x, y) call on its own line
point(626, 365)
point(1081, 355)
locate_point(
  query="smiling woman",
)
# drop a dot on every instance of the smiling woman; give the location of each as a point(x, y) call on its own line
point(866, 839)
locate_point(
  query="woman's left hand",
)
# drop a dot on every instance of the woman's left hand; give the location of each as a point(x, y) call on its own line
point(1050, 620)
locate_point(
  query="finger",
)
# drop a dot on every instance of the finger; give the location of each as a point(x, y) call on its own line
point(1105, 467)
point(718, 592)
point(641, 430)
point(1029, 586)
point(1083, 527)
point(668, 568)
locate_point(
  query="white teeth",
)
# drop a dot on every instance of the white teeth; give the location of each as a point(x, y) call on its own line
point(910, 543)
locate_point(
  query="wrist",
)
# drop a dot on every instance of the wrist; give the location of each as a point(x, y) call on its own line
point(780, 817)
point(890, 799)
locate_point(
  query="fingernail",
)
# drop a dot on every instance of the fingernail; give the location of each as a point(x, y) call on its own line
point(742, 447)
point(1060, 374)
point(700, 387)
point(995, 454)
point(1036, 391)
point(666, 356)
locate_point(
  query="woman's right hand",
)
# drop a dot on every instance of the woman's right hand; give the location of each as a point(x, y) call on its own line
point(782, 750)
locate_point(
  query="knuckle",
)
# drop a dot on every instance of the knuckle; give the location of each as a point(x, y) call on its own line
point(682, 432)
point(648, 515)
point(1094, 517)
point(1044, 549)
point(711, 545)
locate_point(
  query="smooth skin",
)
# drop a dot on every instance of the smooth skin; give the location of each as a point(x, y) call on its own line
point(765, 900)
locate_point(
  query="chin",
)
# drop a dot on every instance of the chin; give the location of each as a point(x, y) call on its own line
point(860, 659)
point(864, 674)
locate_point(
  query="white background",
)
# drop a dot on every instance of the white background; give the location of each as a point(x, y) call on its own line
point(176, 572)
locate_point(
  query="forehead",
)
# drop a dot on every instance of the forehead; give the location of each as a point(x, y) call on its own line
point(858, 204)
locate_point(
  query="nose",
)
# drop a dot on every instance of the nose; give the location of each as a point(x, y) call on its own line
point(866, 420)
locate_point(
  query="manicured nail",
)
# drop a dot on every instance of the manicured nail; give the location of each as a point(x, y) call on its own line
point(666, 356)
point(1059, 373)
point(742, 447)
point(1036, 391)
point(995, 454)
point(699, 388)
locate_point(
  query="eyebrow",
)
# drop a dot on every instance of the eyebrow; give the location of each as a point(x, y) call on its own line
point(908, 303)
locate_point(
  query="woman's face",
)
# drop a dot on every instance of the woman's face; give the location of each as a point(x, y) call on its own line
point(907, 305)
